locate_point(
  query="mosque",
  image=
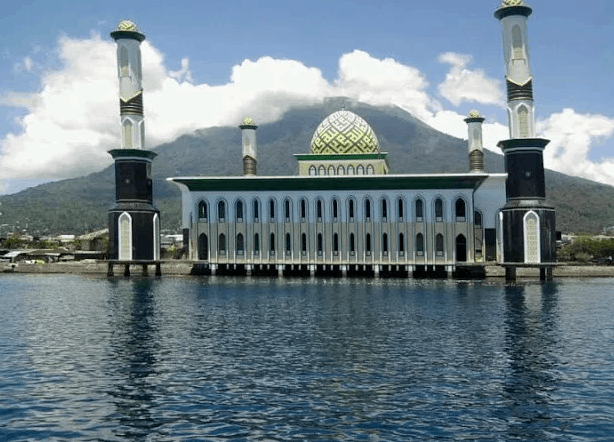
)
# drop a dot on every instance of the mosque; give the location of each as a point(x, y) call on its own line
point(343, 212)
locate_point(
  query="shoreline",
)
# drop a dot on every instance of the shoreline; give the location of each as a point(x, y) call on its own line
point(183, 268)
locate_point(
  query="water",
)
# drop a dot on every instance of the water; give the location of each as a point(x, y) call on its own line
point(274, 360)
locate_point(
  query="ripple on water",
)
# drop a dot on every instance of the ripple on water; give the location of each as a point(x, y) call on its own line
point(258, 359)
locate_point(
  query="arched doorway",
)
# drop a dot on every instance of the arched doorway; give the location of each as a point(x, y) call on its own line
point(203, 247)
point(461, 248)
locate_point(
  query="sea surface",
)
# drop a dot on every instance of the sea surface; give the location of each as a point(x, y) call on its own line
point(249, 359)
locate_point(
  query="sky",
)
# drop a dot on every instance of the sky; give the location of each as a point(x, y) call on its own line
point(213, 63)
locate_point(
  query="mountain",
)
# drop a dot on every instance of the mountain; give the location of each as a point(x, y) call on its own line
point(80, 204)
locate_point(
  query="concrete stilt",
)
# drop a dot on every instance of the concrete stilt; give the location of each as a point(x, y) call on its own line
point(127, 270)
point(510, 274)
point(280, 271)
point(158, 269)
point(145, 270)
point(376, 271)
point(110, 270)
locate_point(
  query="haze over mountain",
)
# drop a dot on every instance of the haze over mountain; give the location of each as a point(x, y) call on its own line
point(80, 204)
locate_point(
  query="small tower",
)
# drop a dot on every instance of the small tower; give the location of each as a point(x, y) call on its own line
point(250, 149)
point(474, 141)
point(134, 222)
point(526, 221)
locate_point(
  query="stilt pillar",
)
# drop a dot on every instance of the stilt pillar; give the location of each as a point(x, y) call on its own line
point(110, 269)
point(127, 270)
point(158, 269)
point(510, 274)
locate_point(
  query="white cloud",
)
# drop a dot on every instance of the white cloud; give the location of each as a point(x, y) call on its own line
point(572, 136)
point(465, 85)
point(74, 120)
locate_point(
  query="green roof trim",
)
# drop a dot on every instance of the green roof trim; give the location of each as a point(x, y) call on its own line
point(337, 183)
point(132, 153)
point(332, 157)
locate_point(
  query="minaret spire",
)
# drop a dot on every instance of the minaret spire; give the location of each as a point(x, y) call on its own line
point(474, 141)
point(527, 221)
point(134, 222)
point(250, 148)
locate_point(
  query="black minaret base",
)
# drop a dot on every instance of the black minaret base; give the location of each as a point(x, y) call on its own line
point(527, 220)
point(134, 222)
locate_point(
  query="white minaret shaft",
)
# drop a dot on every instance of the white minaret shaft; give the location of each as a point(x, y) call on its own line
point(513, 16)
point(474, 141)
point(250, 148)
point(128, 38)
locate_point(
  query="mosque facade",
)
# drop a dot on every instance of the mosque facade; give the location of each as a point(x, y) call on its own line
point(345, 213)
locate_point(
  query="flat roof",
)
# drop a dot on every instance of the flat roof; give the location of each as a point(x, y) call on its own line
point(337, 182)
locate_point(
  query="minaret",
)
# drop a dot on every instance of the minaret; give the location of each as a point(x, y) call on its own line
point(474, 141)
point(134, 223)
point(250, 150)
point(527, 221)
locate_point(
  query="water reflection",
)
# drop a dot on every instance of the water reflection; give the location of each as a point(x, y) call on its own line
point(133, 358)
point(531, 322)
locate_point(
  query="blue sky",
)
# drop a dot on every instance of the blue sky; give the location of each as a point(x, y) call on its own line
point(221, 60)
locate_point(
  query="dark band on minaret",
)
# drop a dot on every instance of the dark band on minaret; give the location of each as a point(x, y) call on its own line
point(513, 10)
point(133, 106)
point(519, 92)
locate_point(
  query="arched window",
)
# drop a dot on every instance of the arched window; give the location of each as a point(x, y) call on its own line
point(419, 210)
point(240, 245)
point(271, 210)
point(461, 248)
point(221, 211)
point(351, 210)
point(320, 244)
point(256, 210)
point(401, 244)
point(321, 170)
point(368, 244)
point(331, 170)
point(312, 170)
point(517, 43)
point(370, 170)
point(287, 209)
point(438, 209)
point(420, 244)
point(360, 170)
point(400, 204)
point(272, 244)
point(352, 245)
point(523, 121)
point(460, 210)
point(203, 247)
point(124, 65)
point(477, 219)
point(127, 133)
point(350, 170)
point(256, 244)
point(384, 210)
point(304, 243)
point(319, 210)
point(439, 244)
point(336, 244)
point(202, 210)
point(335, 209)
point(340, 170)
point(288, 244)
point(532, 247)
point(222, 244)
point(239, 210)
point(367, 209)
point(125, 237)
point(385, 244)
